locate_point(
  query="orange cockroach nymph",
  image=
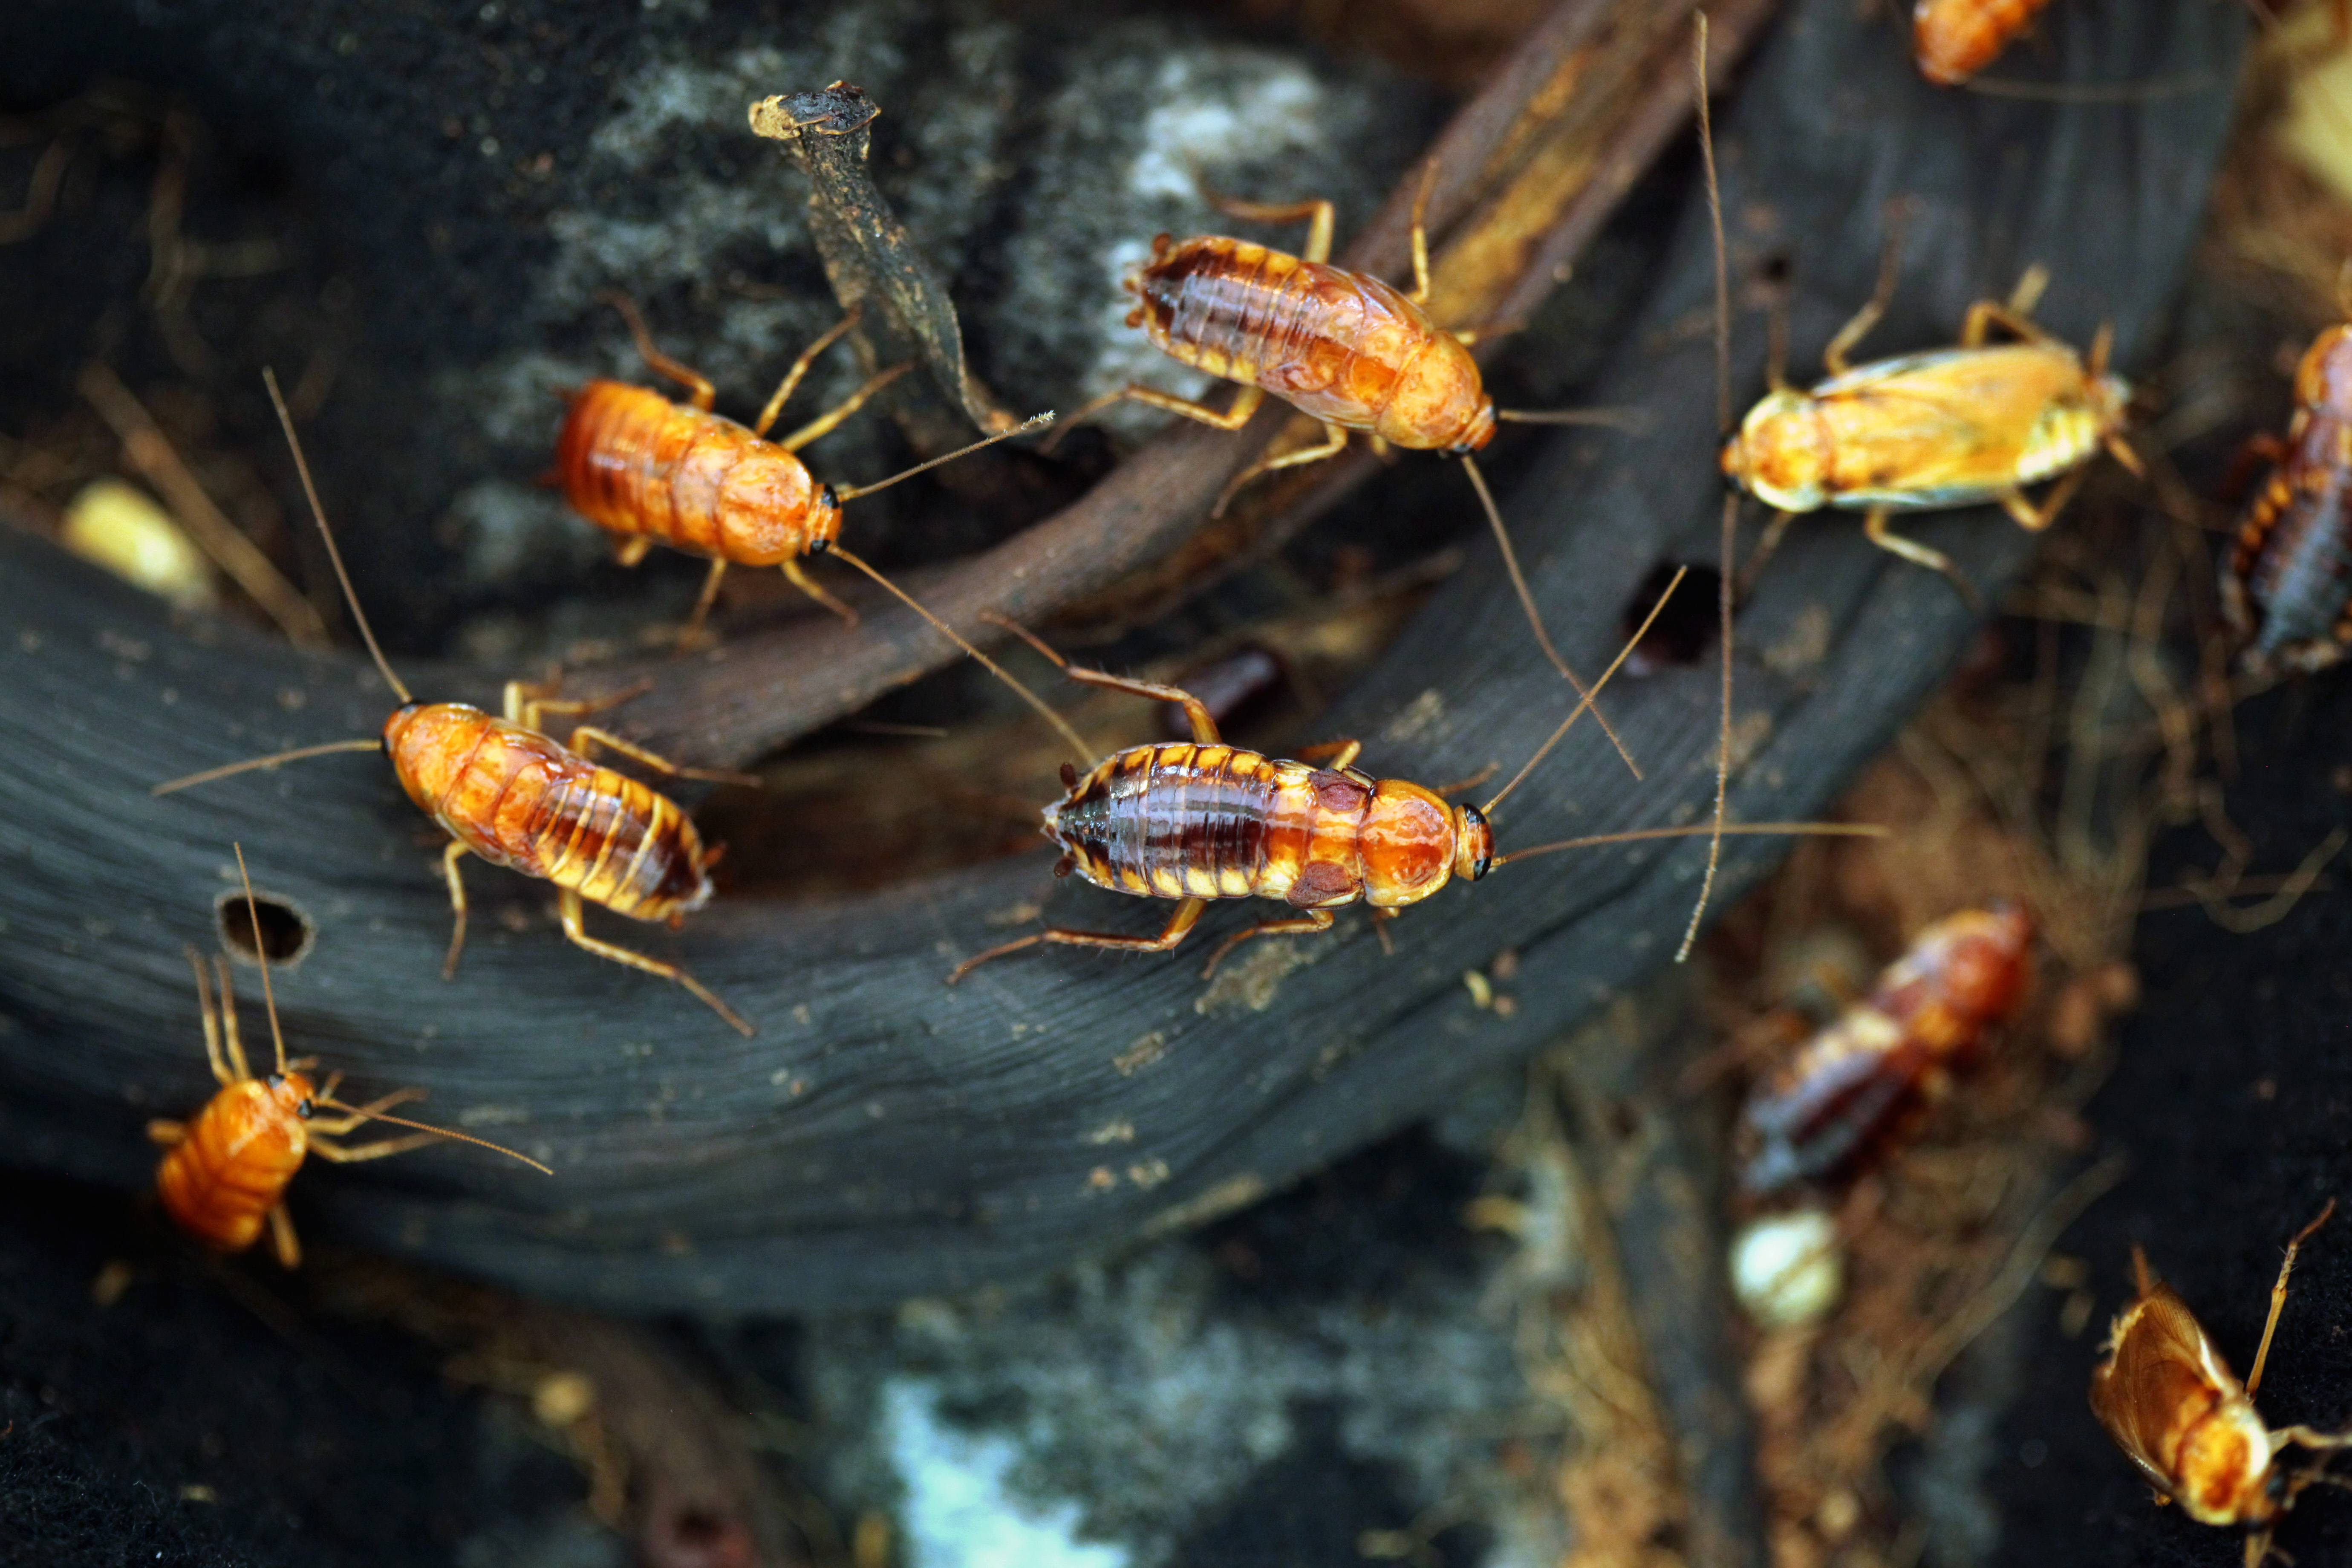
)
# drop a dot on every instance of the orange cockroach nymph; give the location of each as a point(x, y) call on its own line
point(508, 792)
point(2168, 1400)
point(1200, 819)
point(1954, 39)
point(225, 1174)
point(1345, 347)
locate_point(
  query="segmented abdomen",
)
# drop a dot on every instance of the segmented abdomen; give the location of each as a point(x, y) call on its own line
point(1954, 39)
point(633, 462)
point(520, 799)
point(1332, 342)
point(2291, 572)
point(1188, 821)
point(222, 1180)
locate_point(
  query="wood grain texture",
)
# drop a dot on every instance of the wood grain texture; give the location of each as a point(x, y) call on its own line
point(885, 1135)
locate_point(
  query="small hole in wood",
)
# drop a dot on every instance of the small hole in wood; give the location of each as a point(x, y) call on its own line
point(285, 935)
point(1684, 630)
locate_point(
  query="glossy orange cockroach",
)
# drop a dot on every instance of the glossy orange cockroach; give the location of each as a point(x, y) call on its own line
point(1941, 428)
point(1954, 39)
point(1201, 819)
point(2286, 588)
point(225, 1174)
point(647, 469)
point(510, 793)
point(1854, 1085)
point(2168, 1400)
point(1344, 347)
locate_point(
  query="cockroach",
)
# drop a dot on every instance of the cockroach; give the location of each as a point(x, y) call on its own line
point(1854, 1084)
point(1200, 819)
point(2286, 586)
point(647, 469)
point(2168, 1400)
point(225, 1174)
point(1954, 39)
point(510, 793)
point(1343, 347)
point(1942, 429)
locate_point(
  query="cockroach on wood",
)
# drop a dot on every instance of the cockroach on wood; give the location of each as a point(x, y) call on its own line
point(1201, 819)
point(1954, 39)
point(1341, 346)
point(1854, 1085)
point(1937, 429)
point(510, 793)
point(225, 1174)
point(2168, 1400)
point(646, 470)
point(2286, 585)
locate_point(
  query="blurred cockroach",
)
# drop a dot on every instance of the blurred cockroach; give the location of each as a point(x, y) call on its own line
point(226, 1173)
point(1343, 347)
point(2286, 586)
point(1199, 820)
point(1954, 39)
point(2168, 1400)
point(646, 470)
point(1850, 1087)
point(1941, 428)
point(508, 792)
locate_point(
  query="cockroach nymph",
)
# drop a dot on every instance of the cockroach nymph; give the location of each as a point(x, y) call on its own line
point(1851, 1087)
point(508, 792)
point(1954, 39)
point(225, 1172)
point(2286, 586)
point(1201, 819)
point(644, 468)
point(2168, 1400)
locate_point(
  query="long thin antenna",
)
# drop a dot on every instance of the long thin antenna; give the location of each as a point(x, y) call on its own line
point(438, 1132)
point(272, 760)
point(1724, 590)
point(318, 514)
point(1077, 742)
point(1527, 603)
point(1622, 654)
point(261, 957)
point(1035, 422)
point(1786, 829)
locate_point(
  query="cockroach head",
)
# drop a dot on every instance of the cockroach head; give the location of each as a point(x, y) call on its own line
point(1474, 843)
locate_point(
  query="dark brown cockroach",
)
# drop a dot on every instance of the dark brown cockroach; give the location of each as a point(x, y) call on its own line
point(2168, 1400)
point(647, 469)
point(225, 1174)
point(1343, 347)
point(1201, 819)
point(1954, 39)
point(1854, 1085)
point(510, 793)
point(2286, 586)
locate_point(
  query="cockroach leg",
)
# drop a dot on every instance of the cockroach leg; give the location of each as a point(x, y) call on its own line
point(456, 852)
point(1890, 261)
point(826, 422)
point(221, 1074)
point(568, 907)
point(1297, 925)
point(239, 1069)
point(165, 1133)
point(336, 1126)
point(2034, 519)
point(699, 392)
point(337, 1153)
point(1196, 712)
point(1315, 215)
point(799, 578)
point(2278, 1297)
point(1334, 442)
point(692, 635)
point(1180, 925)
point(282, 1240)
point(586, 736)
point(1875, 529)
point(791, 383)
point(1338, 754)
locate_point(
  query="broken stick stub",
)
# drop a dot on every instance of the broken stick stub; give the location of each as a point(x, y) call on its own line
point(870, 259)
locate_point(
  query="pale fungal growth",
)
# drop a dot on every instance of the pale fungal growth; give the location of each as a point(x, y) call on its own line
point(1786, 1269)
